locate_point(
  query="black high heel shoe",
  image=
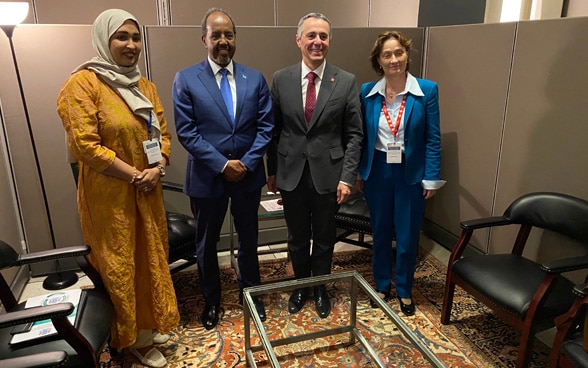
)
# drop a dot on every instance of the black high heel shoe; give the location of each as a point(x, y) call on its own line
point(407, 309)
point(386, 297)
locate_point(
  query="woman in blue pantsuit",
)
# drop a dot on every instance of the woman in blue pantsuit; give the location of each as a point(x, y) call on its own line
point(400, 164)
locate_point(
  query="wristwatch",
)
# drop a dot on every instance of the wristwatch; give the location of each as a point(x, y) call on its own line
point(161, 170)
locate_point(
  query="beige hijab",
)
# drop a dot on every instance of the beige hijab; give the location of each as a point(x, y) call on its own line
point(120, 78)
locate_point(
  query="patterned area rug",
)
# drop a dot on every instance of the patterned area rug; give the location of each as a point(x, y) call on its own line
point(475, 338)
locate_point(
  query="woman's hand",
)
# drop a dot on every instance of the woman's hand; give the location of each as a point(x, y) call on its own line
point(428, 193)
point(148, 179)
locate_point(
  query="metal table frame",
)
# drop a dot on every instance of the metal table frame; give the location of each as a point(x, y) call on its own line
point(357, 282)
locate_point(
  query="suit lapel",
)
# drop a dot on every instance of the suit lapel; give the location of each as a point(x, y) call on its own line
point(241, 81)
point(408, 110)
point(296, 98)
point(375, 103)
point(209, 82)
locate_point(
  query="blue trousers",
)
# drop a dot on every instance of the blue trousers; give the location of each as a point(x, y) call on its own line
point(396, 211)
point(210, 214)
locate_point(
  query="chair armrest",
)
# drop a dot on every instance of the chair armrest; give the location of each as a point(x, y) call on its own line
point(485, 222)
point(91, 272)
point(468, 228)
point(174, 187)
point(40, 360)
point(48, 255)
point(34, 314)
point(581, 290)
point(565, 265)
point(58, 314)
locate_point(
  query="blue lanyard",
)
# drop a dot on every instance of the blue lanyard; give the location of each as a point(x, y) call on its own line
point(149, 125)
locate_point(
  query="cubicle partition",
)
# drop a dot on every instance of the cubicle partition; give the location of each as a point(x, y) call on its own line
point(545, 128)
point(472, 66)
point(513, 113)
point(511, 96)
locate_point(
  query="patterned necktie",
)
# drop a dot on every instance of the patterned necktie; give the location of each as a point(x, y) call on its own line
point(310, 97)
point(226, 92)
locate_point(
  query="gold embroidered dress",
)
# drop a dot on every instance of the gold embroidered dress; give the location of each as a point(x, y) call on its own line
point(125, 228)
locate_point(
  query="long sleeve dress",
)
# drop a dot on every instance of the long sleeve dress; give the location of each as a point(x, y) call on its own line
point(125, 228)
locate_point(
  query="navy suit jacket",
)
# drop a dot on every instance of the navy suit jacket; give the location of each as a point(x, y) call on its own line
point(422, 137)
point(206, 131)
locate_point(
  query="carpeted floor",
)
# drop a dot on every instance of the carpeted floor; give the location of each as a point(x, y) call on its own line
point(475, 338)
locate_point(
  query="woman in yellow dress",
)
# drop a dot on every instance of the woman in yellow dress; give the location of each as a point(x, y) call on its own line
point(117, 131)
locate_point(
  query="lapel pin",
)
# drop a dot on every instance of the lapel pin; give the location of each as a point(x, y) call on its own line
point(332, 80)
point(244, 76)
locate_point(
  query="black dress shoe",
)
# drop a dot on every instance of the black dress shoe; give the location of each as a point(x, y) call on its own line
point(210, 316)
point(260, 308)
point(386, 298)
point(297, 300)
point(407, 309)
point(321, 301)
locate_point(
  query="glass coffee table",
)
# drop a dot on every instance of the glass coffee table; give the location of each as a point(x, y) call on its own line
point(282, 328)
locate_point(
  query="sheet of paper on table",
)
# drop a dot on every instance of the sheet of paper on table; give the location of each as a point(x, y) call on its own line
point(271, 205)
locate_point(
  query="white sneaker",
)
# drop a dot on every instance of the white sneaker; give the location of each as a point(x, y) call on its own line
point(159, 338)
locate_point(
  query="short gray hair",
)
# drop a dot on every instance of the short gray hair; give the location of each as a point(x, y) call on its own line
point(313, 15)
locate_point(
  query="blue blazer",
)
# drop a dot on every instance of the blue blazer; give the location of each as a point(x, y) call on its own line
point(422, 137)
point(206, 131)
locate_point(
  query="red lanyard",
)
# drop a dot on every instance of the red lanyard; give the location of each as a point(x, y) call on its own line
point(394, 128)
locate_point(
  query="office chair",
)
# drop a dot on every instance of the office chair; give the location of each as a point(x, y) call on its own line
point(82, 341)
point(523, 292)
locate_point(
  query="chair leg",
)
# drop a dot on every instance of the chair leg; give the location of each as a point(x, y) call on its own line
point(525, 348)
point(447, 302)
point(554, 356)
point(553, 360)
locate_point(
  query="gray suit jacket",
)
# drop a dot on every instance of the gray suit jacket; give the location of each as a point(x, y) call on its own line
point(332, 141)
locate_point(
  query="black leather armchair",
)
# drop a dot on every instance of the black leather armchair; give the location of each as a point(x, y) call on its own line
point(353, 217)
point(524, 293)
point(82, 342)
point(181, 230)
point(570, 346)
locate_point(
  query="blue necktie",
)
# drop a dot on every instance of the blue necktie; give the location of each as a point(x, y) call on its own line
point(226, 92)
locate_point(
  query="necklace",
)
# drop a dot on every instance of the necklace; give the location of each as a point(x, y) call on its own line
point(391, 93)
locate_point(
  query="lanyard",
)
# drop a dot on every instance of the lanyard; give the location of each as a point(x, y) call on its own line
point(149, 125)
point(394, 128)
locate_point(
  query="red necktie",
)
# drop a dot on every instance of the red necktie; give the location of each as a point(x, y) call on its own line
point(310, 97)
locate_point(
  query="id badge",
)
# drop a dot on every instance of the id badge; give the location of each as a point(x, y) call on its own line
point(152, 150)
point(393, 153)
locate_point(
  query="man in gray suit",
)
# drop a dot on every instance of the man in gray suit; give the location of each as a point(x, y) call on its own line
point(314, 155)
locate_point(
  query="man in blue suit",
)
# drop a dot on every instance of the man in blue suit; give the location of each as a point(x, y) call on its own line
point(226, 135)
